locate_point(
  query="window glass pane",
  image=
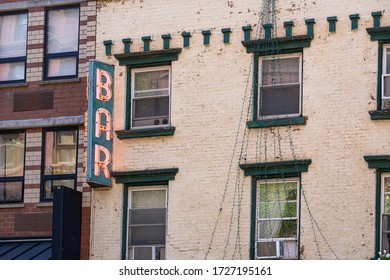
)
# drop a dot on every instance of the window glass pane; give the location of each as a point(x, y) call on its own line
point(386, 206)
point(143, 253)
point(282, 100)
point(278, 191)
point(13, 35)
point(147, 216)
point(151, 107)
point(62, 30)
point(60, 152)
point(62, 67)
point(278, 210)
point(151, 80)
point(10, 191)
point(280, 71)
point(51, 184)
point(386, 85)
point(12, 71)
point(387, 184)
point(387, 61)
point(148, 199)
point(277, 229)
point(11, 155)
point(147, 235)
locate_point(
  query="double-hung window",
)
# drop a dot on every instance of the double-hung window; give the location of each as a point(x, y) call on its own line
point(385, 213)
point(280, 86)
point(59, 160)
point(13, 50)
point(150, 94)
point(62, 42)
point(386, 78)
point(277, 219)
point(12, 153)
point(147, 224)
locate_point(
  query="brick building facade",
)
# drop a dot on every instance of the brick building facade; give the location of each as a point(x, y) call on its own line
point(45, 47)
point(225, 108)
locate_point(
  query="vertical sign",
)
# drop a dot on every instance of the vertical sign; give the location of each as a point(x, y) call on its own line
point(100, 120)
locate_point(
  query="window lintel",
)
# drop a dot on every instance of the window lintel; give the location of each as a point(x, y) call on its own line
point(149, 57)
point(278, 45)
point(379, 33)
point(276, 169)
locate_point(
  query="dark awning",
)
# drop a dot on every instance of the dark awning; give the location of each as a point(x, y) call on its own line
point(31, 249)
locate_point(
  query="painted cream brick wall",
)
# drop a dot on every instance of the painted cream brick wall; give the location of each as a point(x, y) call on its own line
point(209, 86)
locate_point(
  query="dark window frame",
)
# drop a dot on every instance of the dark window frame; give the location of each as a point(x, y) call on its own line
point(16, 178)
point(19, 58)
point(48, 57)
point(70, 176)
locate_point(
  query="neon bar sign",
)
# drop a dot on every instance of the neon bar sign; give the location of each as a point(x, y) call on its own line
point(100, 130)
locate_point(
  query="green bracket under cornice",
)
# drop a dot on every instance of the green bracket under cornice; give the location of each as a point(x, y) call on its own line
point(206, 37)
point(226, 35)
point(147, 58)
point(145, 177)
point(166, 38)
point(143, 133)
point(146, 40)
point(126, 44)
point(380, 162)
point(377, 18)
point(268, 30)
point(108, 46)
point(186, 39)
point(332, 23)
point(288, 25)
point(310, 26)
point(354, 21)
point(247, 32)
point(379, 33)
point(278, 45)
point(279, 169)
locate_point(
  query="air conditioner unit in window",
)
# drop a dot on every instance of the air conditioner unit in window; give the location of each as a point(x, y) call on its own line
point(270, 249)
point(161, 121)
point(147, 253)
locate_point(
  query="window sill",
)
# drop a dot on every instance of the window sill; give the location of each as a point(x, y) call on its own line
point(13, 85)
point(380, 115)
point(59, 81)
point(11, 205)
point(141, 133)
point(44, 204)
point(276, 122)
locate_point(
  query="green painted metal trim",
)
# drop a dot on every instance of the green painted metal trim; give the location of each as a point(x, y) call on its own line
point(206, 37)
point(247, 32)
point(354, 21)
point(379, 162)
point(166, 38)
point(142, 133)
point(144, 177)
point(146, 40)
point(310, 26)
point(282, 45)
point(255, 88)
point(379, 33)
point(332, 23)
point(276, 122)
point(147, 58)
point(226, 35)
point(128, 98)
point(186, 39)
point(288, 25)
point(108, 47)
point(268, 30)
point(276, 169)
point(126, 44)
point(253, 220)
point(378, 213)
point(377, 18)
point(124, 221)
point(380, 115)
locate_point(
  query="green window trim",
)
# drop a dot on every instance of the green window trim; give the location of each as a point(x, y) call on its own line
point(382, 164)
point(138, 59)
point(278, 45)
point(276, 122)
point(139, 178)
point(271, 170)
point(380, 115)
point(379, 33)
point(142, 133)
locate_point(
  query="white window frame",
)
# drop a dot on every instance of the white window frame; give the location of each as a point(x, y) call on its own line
point(279, 241)
point(382, 214)
point(384, 74)
point(129, 207)
point(150, 69)
point(273, 57)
